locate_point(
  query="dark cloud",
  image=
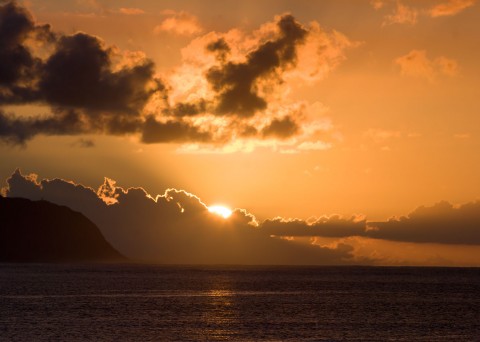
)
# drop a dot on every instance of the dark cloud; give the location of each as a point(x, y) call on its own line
point(220, 47)
point(15, 130)
point(281, 128)
point(84, 143)
point(85, 91)
point(175, 227)
point(154, 131)
point(18, 67)
point(333, 226)
point(248, 131)
point(79, 74)
point(189, 108)
point(88, 92)
point(236, 84)
point(440, 223)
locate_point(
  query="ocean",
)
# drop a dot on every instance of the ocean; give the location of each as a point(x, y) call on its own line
point(72, 302)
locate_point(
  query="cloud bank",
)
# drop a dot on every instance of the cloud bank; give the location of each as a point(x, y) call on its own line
point(177, 227)
point(230, 87)
point(442, 223)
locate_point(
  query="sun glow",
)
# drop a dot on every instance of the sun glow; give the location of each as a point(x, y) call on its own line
point(220, 210)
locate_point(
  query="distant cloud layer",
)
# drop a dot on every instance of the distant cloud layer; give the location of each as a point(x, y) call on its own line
point(229, 88)
point(177, 227)
point(409, 14)
point(441, 223)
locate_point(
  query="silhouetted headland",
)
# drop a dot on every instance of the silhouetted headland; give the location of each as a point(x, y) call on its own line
point(40, 231)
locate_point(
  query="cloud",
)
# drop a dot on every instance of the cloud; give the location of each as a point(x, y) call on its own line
point(440, 223)
point(179, 212)
point(450, 7)
point(381, 135)
point(155, 132)
point(15, 130)
point(131, 11)
point(80, 74)
point(314, 146)
point(446, 66)
point(417, 64)
point(18, 66)
point(248, 81)
point(283, 128)
point(79, 81)
point(403, 14)
point(175, 227)
point(377, 4)
point(236, 83)
point(180, 23)
point(333, 226)
point(84, 143)
point(230, 93)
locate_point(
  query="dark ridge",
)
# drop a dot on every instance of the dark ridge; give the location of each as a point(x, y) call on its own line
point(40, 231)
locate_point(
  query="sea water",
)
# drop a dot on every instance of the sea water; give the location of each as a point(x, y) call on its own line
point(63, 302)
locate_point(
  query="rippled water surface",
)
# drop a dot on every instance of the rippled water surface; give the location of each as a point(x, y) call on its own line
point(175, 303)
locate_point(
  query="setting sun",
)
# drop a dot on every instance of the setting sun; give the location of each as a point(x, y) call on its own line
point(220, 210)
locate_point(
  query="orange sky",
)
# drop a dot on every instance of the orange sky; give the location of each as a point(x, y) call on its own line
point(295, 109)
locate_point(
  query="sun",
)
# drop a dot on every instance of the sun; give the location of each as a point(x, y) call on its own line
point(220, 210)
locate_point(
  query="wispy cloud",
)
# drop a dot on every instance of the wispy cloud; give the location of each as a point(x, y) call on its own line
point(377, 4)
point(84, 143)
point(131, 11)
point(402, 14)
point(450, 7)
point(417, 64)
point(180, 23)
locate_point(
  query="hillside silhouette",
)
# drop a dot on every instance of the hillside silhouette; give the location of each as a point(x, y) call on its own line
point(40, 231)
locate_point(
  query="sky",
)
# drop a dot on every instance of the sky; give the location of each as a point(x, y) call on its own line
point(337, 132)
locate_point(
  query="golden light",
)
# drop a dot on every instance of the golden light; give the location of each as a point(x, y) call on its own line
point(220, 210)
